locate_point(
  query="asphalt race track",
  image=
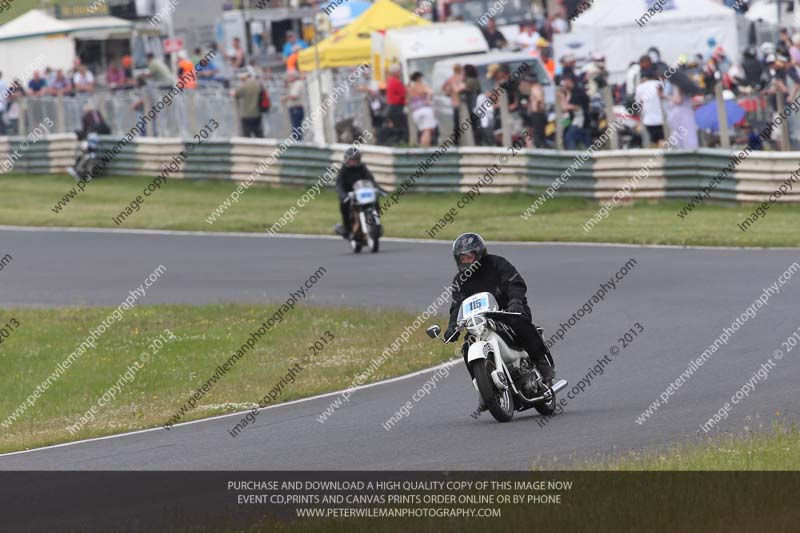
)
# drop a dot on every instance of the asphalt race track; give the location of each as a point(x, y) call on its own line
point(682, 297)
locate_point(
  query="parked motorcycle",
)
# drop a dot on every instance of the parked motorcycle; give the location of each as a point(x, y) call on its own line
point(86, 159)
point(366, 229)
point(504, 376)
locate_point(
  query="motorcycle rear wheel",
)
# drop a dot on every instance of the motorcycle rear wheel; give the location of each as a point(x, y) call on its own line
point(500, 405)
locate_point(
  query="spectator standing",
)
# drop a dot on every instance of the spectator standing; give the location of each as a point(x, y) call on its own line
point(115, 76)
point(186, 72)
point(209, 73)
point(248, 100)
point(503, 83)
point(453, 88)
point(545, 56)
point(295, 93)
point(16, 93)
point(536, 117)
point(419, 98)
point(794, 51)
point(236, 55)
point(83, 80)
point(680, 117)
point(37, 85)
point(291, 42)
point(494, 37)
point(471, 95)
point(527, 38)
point(396, 100)
point(158, 72)
point(648, 95)
point(61, 85)
point(575, 101)
point(3, 98)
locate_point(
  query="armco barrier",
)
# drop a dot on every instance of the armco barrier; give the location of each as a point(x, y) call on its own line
point(675, 174)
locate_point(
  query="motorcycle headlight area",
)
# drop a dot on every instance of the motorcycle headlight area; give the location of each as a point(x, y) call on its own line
point(476, 325)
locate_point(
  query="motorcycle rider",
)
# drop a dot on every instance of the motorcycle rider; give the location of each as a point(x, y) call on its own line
point(494, 274)
point(352, 171)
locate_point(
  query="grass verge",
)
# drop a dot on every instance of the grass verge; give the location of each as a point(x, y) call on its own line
point(206, 337)
point(185, 205)
point(754, 451)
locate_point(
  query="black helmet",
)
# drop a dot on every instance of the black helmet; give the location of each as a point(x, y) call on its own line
point(352, 154)
point(468, 243)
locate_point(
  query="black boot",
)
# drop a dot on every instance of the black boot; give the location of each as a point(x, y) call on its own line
point(543, 366)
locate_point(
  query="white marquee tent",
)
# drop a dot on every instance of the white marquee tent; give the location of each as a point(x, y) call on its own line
point(684, 26)
point(35, 40)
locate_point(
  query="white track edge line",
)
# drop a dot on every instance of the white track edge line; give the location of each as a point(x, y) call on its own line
point(201, 420)
point(137, 231)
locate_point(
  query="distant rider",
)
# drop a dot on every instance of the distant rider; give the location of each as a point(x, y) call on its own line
point(494, 274)
point(352, 171)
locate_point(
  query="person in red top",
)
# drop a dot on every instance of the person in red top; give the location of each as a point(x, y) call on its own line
point(396, 101)
point(395, 89)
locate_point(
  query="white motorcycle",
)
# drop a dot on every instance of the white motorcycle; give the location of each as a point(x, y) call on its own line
point(366, 221)
point(504, 376)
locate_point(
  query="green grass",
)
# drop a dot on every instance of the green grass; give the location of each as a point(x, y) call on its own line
point(206, 337)
point(17, 8)
point(185, 205)
point(755, 451)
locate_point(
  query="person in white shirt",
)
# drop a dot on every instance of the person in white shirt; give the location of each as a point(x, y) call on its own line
point(83, 80)
point(648, 95)
point(527, 38)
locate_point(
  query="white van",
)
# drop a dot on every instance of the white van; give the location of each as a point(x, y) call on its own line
point(417, 48)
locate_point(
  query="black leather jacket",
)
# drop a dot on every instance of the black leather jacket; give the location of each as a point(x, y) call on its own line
point(347, 176)
point(495, 275)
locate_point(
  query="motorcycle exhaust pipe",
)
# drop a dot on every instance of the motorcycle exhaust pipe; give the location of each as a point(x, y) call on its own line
point(557, 386)
point(560, 385)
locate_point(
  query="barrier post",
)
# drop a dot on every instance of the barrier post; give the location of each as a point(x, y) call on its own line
point(722, 114)
point(505, 119)
point(559, 121)
point(468, 136)
point(786, 143)
point(413, 134)
point(608, 102)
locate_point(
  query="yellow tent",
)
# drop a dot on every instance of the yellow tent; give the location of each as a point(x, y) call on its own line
point(351, 45)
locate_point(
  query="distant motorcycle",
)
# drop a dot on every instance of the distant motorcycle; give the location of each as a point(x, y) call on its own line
point(86, 159)
point(366, 229)
point(504, 376)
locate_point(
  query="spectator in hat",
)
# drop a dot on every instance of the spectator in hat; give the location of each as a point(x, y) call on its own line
point(248, 100)
point(543, 53)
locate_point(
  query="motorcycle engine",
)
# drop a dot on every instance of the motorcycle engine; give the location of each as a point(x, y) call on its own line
point(528, 380)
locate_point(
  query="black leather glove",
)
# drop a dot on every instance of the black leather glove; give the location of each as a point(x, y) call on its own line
point(450, 331)
point(516, 306)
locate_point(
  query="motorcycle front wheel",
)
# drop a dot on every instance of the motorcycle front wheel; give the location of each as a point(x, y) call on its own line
point(501, 405)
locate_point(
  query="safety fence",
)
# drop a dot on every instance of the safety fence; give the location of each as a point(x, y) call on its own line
point(601, 175)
